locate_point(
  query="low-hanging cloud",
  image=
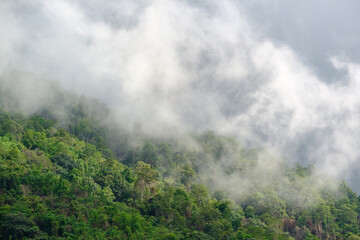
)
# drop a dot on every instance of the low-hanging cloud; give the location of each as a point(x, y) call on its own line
point(190, 66)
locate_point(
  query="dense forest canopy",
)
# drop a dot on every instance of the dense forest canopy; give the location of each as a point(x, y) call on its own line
point(75, 177)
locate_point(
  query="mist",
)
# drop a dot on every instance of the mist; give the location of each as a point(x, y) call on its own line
point(192, 66)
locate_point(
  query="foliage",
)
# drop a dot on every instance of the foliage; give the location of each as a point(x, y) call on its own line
point(68, 184)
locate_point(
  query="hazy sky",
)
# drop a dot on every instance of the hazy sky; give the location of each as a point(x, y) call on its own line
point(316, 30)
point(284, 74)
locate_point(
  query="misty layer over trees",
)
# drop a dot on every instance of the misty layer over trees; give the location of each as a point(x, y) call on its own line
point(255, 70)
point(67, 173)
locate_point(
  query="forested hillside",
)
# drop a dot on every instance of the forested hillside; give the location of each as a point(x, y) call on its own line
point(78, 179)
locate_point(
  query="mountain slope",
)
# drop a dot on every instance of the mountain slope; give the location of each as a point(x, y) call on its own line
point(55, 186)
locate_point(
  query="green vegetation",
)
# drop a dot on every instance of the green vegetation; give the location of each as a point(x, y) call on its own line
point(69, 181)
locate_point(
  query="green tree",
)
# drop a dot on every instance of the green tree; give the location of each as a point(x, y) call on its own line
point(146, 180)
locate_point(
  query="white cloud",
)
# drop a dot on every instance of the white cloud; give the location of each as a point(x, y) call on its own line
point(175, 63)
